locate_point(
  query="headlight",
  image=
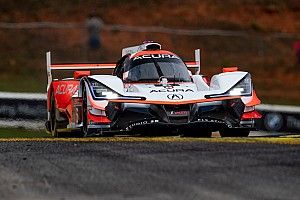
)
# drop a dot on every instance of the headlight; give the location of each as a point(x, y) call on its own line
point(99, 90)
point(244, 87)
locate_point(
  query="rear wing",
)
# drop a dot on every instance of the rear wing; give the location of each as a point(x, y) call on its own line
point(73, 66)
point(92, 66)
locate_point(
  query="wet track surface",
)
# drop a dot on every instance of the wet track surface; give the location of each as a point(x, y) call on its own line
point(149, 169)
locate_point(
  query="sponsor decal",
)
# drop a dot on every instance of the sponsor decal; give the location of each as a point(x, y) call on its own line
point(172, 90)
point(168, 87)
point(66, 89)
point(214, 121)
point(179, 113)
point(141, 123)
point(155, 56)
point(210, 120)
point(175, 96)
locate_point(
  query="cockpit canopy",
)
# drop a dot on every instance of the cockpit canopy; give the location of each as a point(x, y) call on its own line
point(153, 66)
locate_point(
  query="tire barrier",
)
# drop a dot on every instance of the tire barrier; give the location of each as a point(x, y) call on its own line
point(278, 118)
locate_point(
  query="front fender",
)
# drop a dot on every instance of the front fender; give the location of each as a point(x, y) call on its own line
point(112, 82)
point(225, 81)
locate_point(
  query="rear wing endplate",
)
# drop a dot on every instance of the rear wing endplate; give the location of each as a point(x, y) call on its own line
point(195, 64)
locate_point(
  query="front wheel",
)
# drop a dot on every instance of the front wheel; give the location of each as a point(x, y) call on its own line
point(84, 114)
point(234, 133)
point(201, 134)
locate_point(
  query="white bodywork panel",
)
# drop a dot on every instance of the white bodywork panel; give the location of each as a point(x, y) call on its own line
point(201, 85)
point(187, 91)
point(225, 81)
point(113, 82)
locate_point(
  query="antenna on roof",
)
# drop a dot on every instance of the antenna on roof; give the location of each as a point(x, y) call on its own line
point(147, 45)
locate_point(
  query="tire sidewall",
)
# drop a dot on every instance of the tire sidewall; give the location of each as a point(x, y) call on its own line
point(84, 113)
point(53, 121)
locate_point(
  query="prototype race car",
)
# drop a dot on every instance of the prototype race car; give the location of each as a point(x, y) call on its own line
point(150, 91)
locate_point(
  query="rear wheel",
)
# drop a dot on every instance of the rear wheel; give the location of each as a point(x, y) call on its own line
point(234, 133)
point(53, 120)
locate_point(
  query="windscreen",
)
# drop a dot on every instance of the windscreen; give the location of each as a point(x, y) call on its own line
point(153, 67)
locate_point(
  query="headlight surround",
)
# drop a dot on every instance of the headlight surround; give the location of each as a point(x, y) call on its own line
point(101, 91)
point(243, 87)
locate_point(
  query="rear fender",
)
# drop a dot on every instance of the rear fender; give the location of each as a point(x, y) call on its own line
point(63, 91)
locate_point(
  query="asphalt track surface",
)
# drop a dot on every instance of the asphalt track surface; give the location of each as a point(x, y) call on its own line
point(150, 168)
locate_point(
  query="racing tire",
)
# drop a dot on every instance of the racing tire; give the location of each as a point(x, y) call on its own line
point(53, 118)
point(84, 114)
point(234, 133)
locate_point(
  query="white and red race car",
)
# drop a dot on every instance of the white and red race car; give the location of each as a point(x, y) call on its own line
point(150, 91)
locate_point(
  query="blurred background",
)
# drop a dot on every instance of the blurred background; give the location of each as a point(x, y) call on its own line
point(259, 36)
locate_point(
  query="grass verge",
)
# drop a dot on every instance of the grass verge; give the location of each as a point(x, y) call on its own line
point(22, 133)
